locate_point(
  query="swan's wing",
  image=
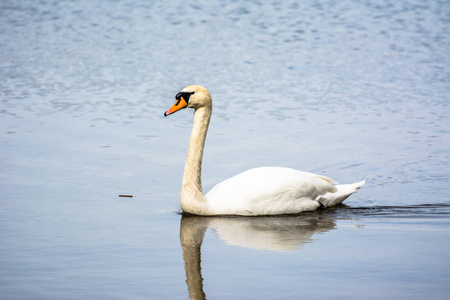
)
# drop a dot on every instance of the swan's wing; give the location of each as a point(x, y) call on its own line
point(268, 191)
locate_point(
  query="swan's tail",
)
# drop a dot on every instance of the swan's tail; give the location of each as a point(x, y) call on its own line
point(342, 193)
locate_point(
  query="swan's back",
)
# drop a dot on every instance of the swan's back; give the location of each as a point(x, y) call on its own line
point(270, 191)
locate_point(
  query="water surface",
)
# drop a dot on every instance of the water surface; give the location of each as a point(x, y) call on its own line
point(348, 89)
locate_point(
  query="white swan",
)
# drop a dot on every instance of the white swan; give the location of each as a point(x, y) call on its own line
point(259, 191)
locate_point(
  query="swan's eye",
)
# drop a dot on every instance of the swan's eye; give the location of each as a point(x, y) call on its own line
point(185, 96)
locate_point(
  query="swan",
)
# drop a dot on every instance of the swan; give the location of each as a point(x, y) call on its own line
point(256, 192)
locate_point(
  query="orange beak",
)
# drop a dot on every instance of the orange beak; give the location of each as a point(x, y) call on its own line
point(176, 107)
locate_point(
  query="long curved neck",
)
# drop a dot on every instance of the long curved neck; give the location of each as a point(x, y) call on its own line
point(192, 197)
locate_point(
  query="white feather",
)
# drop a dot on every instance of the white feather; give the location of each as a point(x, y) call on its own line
point(275, 190)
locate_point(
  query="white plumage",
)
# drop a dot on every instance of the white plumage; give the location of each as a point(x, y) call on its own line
point(274, 191)
point(259, 191)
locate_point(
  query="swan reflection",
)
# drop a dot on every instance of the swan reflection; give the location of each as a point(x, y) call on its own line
point(284, 233)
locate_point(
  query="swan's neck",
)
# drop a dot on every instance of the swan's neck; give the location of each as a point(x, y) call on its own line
point(193, 199)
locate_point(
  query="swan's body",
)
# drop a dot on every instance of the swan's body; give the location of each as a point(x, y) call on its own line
point(259, 191)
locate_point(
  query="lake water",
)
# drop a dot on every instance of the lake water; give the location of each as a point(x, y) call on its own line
point(346, 89)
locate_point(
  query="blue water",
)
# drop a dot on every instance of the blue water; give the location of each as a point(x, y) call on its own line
point(347, 89)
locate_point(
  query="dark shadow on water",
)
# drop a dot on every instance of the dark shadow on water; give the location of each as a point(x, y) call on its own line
point(408, 211)
point(279, 233)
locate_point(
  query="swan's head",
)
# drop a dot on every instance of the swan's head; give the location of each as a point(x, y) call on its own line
point(193, 96)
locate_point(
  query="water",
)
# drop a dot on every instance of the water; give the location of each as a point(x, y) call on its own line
point(347, 89)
